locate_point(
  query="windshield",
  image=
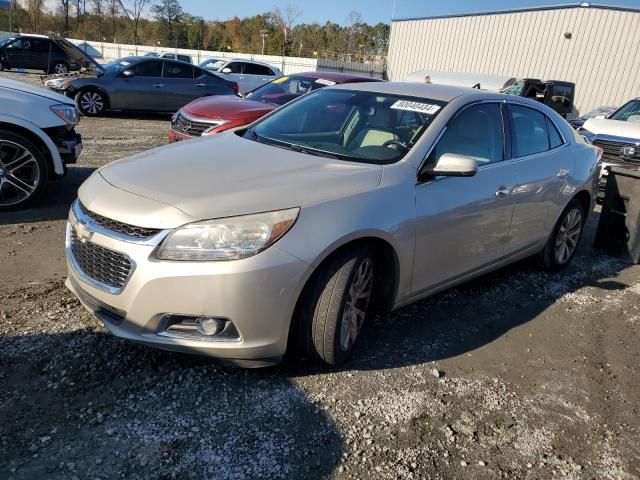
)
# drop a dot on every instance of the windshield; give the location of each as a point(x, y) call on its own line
point(367, 127)
point(5, 40)
point(629, 112)
point(284, 89)
point(116, 66)
point(514, 88)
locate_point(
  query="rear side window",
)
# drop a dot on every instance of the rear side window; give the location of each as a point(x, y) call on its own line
point(177, 70)
point(150, 68)
point(476, 132)
point(529, 134)
point(253, 69)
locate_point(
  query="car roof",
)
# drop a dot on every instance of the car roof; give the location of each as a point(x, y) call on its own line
point(28, 35)
point(444, 93)
point(338, 77)
point(251, 61)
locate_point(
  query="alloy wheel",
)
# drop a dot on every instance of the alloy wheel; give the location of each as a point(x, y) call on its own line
point(568, 235)
point(19, 173)
point(60, 68)
point(91, 102)
point(356, 305)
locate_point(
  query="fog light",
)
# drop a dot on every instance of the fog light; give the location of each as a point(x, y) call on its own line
point(209, 326)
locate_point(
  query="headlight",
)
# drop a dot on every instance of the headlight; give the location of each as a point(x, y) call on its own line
point(67, 113)
point(227, 238)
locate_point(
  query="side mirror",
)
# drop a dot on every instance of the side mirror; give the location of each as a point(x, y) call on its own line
point(128, 74)
point(226, 70)
point(452, 165)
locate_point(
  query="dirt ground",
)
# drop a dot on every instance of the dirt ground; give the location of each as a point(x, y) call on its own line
point(519, 375)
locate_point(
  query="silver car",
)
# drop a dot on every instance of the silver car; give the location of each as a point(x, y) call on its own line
point(349, 200)
point(248, 74)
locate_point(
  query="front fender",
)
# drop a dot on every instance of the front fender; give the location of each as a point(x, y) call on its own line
point(58, 166)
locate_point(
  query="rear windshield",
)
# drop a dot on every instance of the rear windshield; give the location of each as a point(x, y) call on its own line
point(358, 126)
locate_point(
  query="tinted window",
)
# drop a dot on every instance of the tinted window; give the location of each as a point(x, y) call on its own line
point(177, 70)
point(151, 68)
point(184, 58)
point(253, 69)
point(476, 132)
point(555, 140)
point(236, 67)
point(199, 72)
point(561, 96)
point(529, 131)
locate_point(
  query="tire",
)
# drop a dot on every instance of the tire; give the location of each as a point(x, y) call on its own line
point(59, 67)
point(328, 327)
point(563, 244)
point(23, 171)
point(91, 102)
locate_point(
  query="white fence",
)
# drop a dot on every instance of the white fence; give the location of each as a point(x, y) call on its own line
point(106, 52)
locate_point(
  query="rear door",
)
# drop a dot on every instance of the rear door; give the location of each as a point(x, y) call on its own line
point(143, 91)
point(256, 75)
point(542, 166)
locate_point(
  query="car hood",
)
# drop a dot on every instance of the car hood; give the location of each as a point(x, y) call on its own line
point(227, 175)
point(227, 107)
point(616, 128)
point(33, 90)
point(81, 58)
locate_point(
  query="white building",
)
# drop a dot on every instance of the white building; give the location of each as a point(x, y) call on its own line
point(596, 47)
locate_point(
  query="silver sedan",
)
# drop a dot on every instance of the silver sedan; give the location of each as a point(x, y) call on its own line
point(290, 233)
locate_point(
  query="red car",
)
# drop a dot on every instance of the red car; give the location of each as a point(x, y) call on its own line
point(210, 115)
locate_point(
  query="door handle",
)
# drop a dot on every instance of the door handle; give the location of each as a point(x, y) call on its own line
point(503, 191)
point(158, 85)
point(563, 172)
point(201, 84)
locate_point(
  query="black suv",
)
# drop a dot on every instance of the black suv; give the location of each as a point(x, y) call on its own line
point(37, 52)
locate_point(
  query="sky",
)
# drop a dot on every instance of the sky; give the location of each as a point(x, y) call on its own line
point(373, 11)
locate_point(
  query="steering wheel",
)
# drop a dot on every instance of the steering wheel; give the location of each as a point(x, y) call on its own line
point(388, 143)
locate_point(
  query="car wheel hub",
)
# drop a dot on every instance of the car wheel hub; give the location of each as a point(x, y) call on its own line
point(568, 235)
point(60, 69)
point(91, 102)
point(357, 304)
point(19, 173)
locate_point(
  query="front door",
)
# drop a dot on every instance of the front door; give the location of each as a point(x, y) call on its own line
point(462, 222)
point(143, 91)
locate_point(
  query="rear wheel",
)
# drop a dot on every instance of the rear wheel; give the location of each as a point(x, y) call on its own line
point(23, 171)
point(336, 305)
point(59, 67)
point(91, 102)
point(563, 242)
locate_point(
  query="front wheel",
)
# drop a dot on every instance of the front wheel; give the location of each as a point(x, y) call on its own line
point(23, 171)
point(59, 67)
point(336, 305)
point(563, 242)
point(91, 103)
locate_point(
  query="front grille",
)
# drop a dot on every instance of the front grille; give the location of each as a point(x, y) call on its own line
point(119, 227)
point(181, 124)
point(612, 149)
point(100, 264)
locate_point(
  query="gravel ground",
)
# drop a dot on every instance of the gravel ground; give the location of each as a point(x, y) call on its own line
point(519, 374)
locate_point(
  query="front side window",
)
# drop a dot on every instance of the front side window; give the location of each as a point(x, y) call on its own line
point(629, 112)
point(177, 70)
point(529, 131)
point(235, 67)
point(151, 68)
point(476, 132)
point(212, 64)
point(350, 125)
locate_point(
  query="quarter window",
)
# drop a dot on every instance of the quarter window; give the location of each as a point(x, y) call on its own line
point(555, 140)
point(476, 132)
point(529, 134)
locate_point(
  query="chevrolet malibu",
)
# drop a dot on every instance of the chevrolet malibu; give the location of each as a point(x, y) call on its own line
point(352, 199)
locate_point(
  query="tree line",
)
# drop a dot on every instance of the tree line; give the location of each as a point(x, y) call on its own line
point(165, 24)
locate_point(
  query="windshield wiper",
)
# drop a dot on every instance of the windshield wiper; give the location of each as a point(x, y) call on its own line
point(311, 151)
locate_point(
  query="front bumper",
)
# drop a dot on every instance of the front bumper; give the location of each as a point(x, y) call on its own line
point(257, 294)
point(174, 136)
point(68, 143)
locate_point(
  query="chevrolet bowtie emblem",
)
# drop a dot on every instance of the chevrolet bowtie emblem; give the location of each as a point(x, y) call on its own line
point(82, 232)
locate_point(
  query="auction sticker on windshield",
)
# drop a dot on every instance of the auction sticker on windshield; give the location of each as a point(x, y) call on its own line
point(420, 107)
point(323, 81)
point(280, 80)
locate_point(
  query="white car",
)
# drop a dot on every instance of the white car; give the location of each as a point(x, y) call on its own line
point(37, 139)
point(618, 136)
point(248, 74)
